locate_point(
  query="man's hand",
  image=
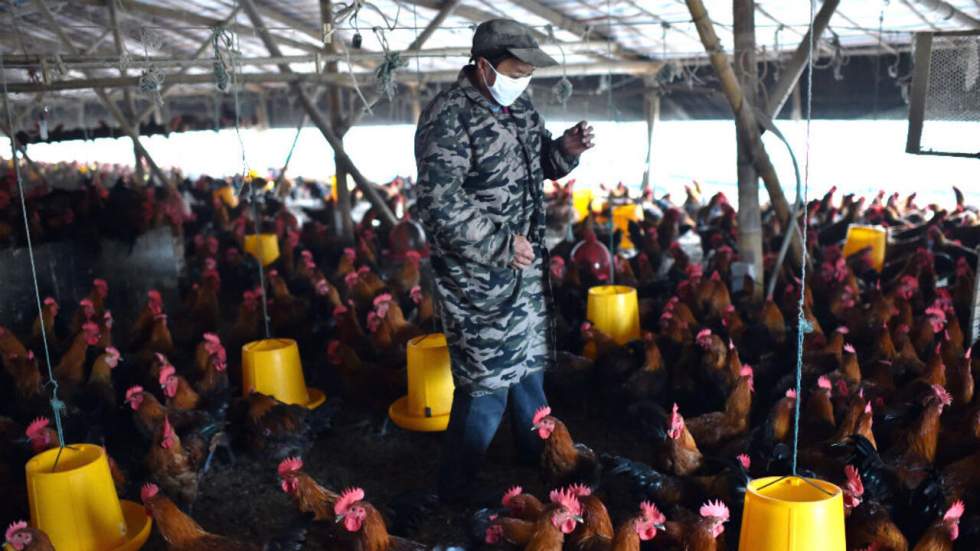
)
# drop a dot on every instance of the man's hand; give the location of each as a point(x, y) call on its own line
point(523, 253)
point(578, 139)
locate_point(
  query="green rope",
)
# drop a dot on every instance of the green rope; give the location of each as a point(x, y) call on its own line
point(57, 406)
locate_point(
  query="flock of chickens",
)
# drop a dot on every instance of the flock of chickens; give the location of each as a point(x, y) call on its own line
point(888, 410)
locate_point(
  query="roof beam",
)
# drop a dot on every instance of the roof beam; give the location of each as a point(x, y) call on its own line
point(569, 24)
point(369, 189)
point(908, 4)
point(444, 12)
point(199, 20)
point(109, 105)
point(949, 11)
point(873, 34)
point(783, 87)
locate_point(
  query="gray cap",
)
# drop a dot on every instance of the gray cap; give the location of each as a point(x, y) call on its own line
point(498, 36)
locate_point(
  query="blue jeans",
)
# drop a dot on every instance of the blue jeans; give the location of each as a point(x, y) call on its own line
point(473, 423)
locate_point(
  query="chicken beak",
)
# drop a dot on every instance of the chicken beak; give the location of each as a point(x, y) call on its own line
point(535, 427)
point(340, 518)
point(578, 518)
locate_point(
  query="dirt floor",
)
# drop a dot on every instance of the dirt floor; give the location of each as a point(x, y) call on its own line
point(245, 501)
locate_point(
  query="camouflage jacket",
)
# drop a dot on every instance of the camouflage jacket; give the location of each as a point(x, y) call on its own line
point(481, 172)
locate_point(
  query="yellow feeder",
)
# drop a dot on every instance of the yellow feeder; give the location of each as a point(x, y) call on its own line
point(76, 504)
point(430, 386)
point(273, 367)
point(227, 196)
point(263, 246)
point(581, 202)
point(859, 237)
point(622, 216)
point(614, 310)
point(793, 514)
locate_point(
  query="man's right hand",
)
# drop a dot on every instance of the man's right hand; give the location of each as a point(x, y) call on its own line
point(523, 253)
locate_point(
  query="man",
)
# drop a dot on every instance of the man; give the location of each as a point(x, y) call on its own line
point(483, 155)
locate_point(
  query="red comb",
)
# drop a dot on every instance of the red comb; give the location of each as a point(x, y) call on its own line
point(955, 511)
point(148, 491)
point(580, 490)
point(348, 497)
point(715, 509)
point(651, 513)
point(541, 413)
point(289, 465)
point(133, 391)
point(13, 529)
point(511, 494)
point(824, 382)
point(745, 460)
point(36, 426)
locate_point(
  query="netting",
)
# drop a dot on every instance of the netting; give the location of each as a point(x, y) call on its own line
point(952, 94)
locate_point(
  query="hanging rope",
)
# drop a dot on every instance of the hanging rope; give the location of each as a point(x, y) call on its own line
point(803, 326)
point(57, 406)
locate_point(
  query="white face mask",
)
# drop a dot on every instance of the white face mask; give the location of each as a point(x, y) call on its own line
point(505, 89)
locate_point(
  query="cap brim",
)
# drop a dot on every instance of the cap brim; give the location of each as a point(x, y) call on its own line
point(533, 56)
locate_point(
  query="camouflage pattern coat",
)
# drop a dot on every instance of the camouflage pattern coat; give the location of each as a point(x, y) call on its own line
point(481, 172)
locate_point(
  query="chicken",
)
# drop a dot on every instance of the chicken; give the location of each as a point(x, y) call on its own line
point(371, 385)
point(712, 298)
point(308, 495)
point(702, 534)
point(867, 521)
point(550, 530)
point(713, 429)
point(941, 535)
point(140, 329)
point(100, 394)
point(390, 331)
point(211, 361)
point(27, 381)
point(10, 345)
point(148, 412)
point(818, 416)
point(563, 462)
point(596, 530)
point(247, 324)
point(170, 465)
point(276, 430)
point(678, 454)
point(366, 530)
point(47, 319)
point(918, 450)
point(409, 276)
point(182, 533)
point(642, 527)
point(21, 537)
point(41, 435)
point(522, 505)
point(70, 370)
point(178, 392)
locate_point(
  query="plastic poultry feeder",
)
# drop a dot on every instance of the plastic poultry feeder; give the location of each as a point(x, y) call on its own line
point(273, 367)
point(227, 196)
point(73, 500)
point(792, 514)
point(859, 237)
point(582, 202)
point(263, 246)
point(430, 387)
point(622, 216)
point(614, 310)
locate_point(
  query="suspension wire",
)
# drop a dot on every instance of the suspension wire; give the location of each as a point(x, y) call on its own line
point(56, 404)
point(803, 326)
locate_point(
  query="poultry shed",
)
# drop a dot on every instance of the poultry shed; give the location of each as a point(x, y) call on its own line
point(699, 341)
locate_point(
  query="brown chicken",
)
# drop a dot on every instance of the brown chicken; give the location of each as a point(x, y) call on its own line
point(10, 345)
point(70, 370)
point(365, 527)
point(701, 534)
point(918, 451)
point(21, 537)
point(140, 329)
point(247, 324)
point(563, 462)
point(49, 314)
point(867, 522)
point(307, 494)
point(182, 533)
point(179, 393)
point(41, 435)
point(678, 454)
point(148, 412)
point(941, 535)
point(715, 428)
point(550, 530)
point(596, 530)
point(170, 465)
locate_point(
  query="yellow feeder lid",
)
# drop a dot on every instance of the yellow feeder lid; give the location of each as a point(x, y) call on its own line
point(273, 367)
point(77, 505)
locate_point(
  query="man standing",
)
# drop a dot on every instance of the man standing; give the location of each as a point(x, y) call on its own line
point(483, 154)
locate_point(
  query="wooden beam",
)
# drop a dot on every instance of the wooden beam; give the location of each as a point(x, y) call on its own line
point(370, 191)
point(746, 117)
point(749, 213)
point(109, 105)
point(870, 32)
point(572, 25)
point(948, 11)
point(782, 89)
point(651, 108)
point(911, 6)
point(342, 212)
point(444, 12)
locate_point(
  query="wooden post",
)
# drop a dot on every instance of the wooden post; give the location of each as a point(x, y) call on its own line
point(651, 107)
point(749, 214)
point(129, 105)
point(345, 222)
point(103, 97)
point(372, 194)
point(746, 115)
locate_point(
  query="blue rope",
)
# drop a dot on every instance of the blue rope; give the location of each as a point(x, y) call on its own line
point(57, 406)
point(803, 326)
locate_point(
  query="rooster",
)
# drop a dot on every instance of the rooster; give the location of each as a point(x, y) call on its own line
point(309, 496)
point(49, 314)
point(70, 370)
point(868, 522)
point(558, 522)
point(170, 464)
point(148, 412)
point(365, 526)
point(563, 462)
point(713, 429)
point(941, 535)
point(701, 534)
point(182, 533)
point(678, 454)
point(596, 530)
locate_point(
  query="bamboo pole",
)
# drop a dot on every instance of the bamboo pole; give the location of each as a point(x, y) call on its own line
point(370, 191)
point(747, 121)
point(345, 222)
